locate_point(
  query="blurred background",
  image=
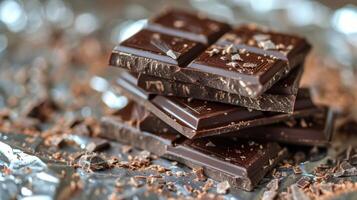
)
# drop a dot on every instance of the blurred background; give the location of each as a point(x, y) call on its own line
point(54, 72)
point(61, 48)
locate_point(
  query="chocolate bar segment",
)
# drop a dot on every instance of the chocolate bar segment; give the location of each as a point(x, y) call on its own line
point(193, 26)
point(245, 61)
point(315, 130)
point(243, 163)
point(255, 57)
point(280, 98)
point(303, 107)
point(160, 47)
point(264, 42)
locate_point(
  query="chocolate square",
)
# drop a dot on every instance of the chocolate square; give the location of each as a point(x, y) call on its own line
point(160, 47)
point(193, 26)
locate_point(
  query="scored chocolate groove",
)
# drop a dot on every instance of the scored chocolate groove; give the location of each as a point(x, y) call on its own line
point(161, 47)
point(195, 27)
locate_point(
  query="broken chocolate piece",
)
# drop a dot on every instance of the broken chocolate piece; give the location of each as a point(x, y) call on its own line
point(97, 145)
point(41, 109)
point(199, 174)
point(303, 182)
point(92, 162)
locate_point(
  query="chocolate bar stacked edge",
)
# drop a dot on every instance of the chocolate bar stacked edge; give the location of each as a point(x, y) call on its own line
point(281, 98)
point(142, 98)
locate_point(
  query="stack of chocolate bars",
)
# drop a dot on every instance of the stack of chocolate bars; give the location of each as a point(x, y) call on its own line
point(212, 96)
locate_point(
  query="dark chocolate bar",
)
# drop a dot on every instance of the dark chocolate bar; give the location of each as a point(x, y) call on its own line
point(242, 163)
point(193, 26)
point(314, 130)
point(280, 98)
point(198, 114)
point(245, 61)
point(197, 118)
point(249, 60)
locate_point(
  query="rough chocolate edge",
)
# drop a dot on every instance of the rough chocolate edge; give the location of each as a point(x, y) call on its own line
point(265, 102)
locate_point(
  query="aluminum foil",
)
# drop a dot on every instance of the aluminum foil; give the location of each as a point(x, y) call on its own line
point(59, 50)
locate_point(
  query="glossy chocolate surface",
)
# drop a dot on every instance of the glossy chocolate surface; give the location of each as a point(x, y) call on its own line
point(243, 163)
point(189, 25)
point(161, 47)
point(202, 114)
point(303, 106)
point(238, 153)
point(250, 52)
point(280, 98)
